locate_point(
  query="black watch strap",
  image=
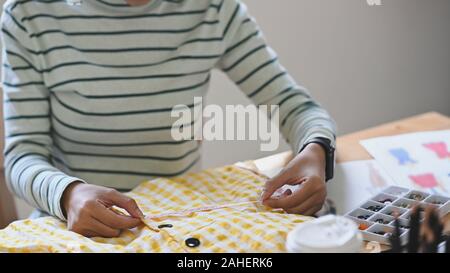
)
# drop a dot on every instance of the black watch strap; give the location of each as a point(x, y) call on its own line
point(329, 154)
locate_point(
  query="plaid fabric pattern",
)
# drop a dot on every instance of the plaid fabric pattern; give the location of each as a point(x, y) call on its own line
point(246, 228)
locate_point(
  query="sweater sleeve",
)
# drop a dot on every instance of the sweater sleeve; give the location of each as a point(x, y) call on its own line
point(255, 69)
point(28, 169)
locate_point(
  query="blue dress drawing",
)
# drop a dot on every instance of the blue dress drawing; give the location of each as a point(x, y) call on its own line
point(402, 156)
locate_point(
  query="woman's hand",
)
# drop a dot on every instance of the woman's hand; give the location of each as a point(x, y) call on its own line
point(88, 212)
point(307, 169)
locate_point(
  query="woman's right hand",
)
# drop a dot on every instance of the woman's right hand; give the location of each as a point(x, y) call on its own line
point(88, 210)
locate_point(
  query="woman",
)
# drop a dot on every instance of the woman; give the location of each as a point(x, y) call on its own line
point(88, 88)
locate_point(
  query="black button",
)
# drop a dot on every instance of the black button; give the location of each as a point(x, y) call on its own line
point(192, 242)
point(165, 226)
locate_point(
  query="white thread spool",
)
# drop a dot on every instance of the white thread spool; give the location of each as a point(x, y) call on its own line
point(327, 234)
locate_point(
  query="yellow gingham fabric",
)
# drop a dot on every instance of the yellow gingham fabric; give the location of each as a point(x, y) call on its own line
point(250, 228)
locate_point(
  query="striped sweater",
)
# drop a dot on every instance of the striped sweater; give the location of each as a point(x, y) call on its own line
point(88, 89)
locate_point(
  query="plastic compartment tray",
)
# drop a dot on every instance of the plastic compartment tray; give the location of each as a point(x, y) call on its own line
point(376, 216)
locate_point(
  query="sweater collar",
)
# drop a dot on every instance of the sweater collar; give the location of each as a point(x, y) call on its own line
point(119, 5)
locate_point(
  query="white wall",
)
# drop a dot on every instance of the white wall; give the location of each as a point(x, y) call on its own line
point(366, 65)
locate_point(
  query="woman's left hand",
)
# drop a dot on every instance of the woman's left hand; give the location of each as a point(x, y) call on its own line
point(307, 169)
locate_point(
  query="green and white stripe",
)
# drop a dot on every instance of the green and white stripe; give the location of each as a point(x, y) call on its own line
point(88, 89)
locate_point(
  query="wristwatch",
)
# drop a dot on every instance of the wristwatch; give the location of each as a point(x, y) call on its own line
point(329, 154)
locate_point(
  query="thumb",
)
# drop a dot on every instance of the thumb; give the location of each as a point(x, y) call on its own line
point(127, 203)
point(272, 185)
